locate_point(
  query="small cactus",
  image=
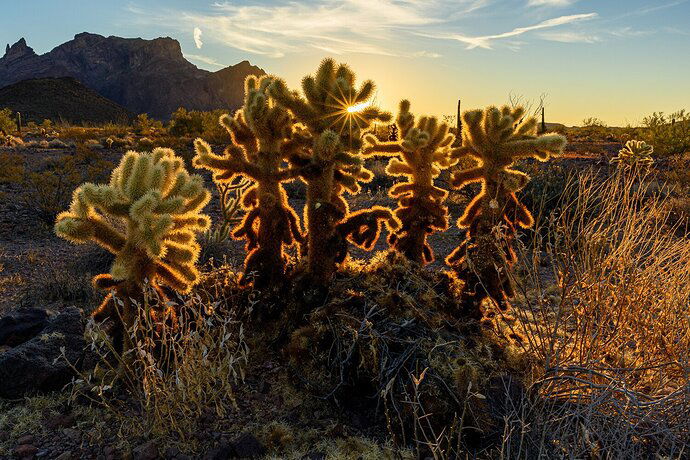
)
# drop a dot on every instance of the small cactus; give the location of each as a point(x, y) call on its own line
point(148, 217)
point(635, 154)
point(263, 137)
point(495, 139)
point(336, 114)
point(425, 150)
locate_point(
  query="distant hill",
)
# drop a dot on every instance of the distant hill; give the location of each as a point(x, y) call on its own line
point(60, 99)
point(144, 76)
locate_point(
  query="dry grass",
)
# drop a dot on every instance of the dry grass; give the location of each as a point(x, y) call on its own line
point(607, 327)
point(173, 376)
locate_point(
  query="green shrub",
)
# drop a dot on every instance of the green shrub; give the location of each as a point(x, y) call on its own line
point(7, 123)
point(669, 134)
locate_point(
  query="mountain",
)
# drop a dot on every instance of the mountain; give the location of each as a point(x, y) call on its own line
point(60, 99)
point(144, 76)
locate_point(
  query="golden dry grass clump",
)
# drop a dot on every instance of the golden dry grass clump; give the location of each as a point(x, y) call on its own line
point(263, 136)
point(495, 139)
point(148, 217)
point(425, 149)
point(335, 115)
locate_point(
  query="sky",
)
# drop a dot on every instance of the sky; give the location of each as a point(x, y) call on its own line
point(617, 60)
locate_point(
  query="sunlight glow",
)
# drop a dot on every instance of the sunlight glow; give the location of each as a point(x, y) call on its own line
point(358, 107)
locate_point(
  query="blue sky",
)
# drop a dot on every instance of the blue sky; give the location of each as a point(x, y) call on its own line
point(617, 60)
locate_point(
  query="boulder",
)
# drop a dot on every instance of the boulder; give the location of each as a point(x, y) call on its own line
point(21, 325)
point(37, 364)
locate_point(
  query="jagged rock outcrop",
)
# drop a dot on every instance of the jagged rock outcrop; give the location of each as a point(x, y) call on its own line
point(144, 76)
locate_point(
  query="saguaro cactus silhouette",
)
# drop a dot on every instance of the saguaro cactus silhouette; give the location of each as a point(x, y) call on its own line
point(425, 150)
point(495, 139)
point(263, 136)
point(335, 113)
point(148, 217)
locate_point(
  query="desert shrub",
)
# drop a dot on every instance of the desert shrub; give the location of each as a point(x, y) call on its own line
point(636, 155)
point(48, 191)
point(7, 122)
point(193, 123)
point(669, 134)
point(147, 216)
point(146, 126)
point(593, 122)
point(11, 168)
point(178, 374)
point(607, 325)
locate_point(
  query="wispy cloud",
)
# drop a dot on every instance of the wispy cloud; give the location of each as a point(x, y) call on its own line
point(197, 38)
point(570, 37)
point(379, 27)
point(204, 59)
point(550, 2)
point(485, 41)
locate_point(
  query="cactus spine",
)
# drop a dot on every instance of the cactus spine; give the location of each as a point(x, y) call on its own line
point(495, 139)
point(332, 165)
point(263, 136)
point(158, 208)
point(424, 149)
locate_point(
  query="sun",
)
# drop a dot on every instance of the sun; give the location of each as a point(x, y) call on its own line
point(358, 107)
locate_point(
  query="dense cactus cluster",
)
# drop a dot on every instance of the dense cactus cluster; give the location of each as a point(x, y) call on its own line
point(425, 149)
point(495, 139)
point(335, 115)
point(635, 154)
point(320, 136)
point(148, 217)
point(263, 137)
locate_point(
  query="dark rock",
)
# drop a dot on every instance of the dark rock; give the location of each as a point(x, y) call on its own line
point(223, 451)
point(25, 451)
point(144, 76)
point(21, 325)
point(146, 451)
point(26, 439)
point(247, 446)
point(315, 456)
point(64, 456)
point(72, 434)
point(36, 365)
point(55, 422)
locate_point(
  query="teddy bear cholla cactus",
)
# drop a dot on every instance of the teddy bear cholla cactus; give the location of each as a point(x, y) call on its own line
point(263, 136)
point(335, 114)
point(635, 154)
point(425, 150)
point(148, 217)
point(495, 139)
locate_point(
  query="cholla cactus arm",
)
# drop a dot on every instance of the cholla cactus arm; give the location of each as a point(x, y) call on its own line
point(263, 137)
point(495, 139)
point(332, 164)
point(635, 154)
point(158, 206)
point(424, 149)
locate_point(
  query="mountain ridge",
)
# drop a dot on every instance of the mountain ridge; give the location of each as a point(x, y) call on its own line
point(143, 76)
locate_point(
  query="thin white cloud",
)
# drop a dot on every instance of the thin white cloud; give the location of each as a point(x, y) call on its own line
point(570, 37)
point(197, 38)
point(204, 60)
point(559, 3)
point(378, 27)
point(485, 41)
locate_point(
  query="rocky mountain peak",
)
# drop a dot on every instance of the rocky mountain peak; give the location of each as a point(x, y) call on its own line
point(18, 51)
